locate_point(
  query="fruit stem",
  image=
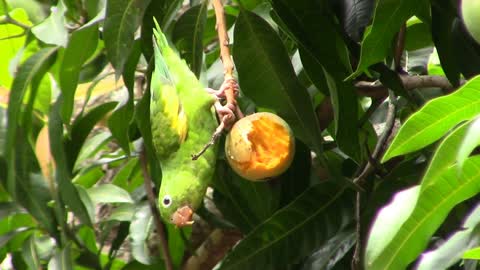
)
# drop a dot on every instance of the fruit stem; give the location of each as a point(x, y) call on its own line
point(224, 43)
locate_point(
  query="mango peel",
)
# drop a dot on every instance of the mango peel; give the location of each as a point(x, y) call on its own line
point(260, 146)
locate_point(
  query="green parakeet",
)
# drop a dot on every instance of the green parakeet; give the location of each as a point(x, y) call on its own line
point(182, 122)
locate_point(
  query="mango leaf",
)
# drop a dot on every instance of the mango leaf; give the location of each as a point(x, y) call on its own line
point(81, 127)
point(81, 46)
point(244, 203)
point(418, 35)
point(466, 50)
point(325, 55)
point(452, 249)
point(123, 17)
point(356, 16)
point(398, 236)
point(331, 252)
point(68, 192)
point(52, 30)
point(164, 11)
point(30, 254)
point(267, 77)
point(443, 15)
point(435, 119)
point(470, 141)
point(10, 46)
point(62, 260)
point(294, 231)
point(445, 155)
point(473, 253)
point(108, 193)
point(120, 120)
point(140, 228)
point(389, 17)
point(188, 36)
point(34, 67)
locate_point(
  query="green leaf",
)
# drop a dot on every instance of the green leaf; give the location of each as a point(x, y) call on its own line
point(164, 11)
point(267, 77)
point(52, 30)
point(399, 236)
point(443, 15)
point(435, 119)
point(452, 249)
point(87, 201)
point(140, 228)
point(124, 212)
point(81, 46)
point(124, 176)
point(325, 55)
point(108, 193)
point(123, 17)
point(81, 127)
point(466, 50)
point(120, 120)
point(445, 155)
point(11, 46)
point(418, 35)
point(245, 203)
point(36, 65)
point(68, 192)
point(294, 231)
point(331, 252)
point(91, 147)
point(389, 17)
point(62, 260)
point(473, 254)
point(357, 15)
point(6, 237)
point(30, 254)
point(188, 36)
point(471, 140)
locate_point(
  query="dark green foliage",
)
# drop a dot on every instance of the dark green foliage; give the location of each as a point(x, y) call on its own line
point(81, 70)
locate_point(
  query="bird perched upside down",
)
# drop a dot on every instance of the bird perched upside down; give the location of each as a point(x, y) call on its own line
point(183, 121)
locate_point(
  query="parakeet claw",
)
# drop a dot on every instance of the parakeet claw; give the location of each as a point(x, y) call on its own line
point(220, 93)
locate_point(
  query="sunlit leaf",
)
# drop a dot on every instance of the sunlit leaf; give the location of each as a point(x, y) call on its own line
point(452, 249)
point(52, 30)
point(402, 229)
point(435, 118)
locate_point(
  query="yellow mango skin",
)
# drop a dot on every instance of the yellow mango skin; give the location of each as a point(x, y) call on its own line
point(260, 146)
point(471, 17)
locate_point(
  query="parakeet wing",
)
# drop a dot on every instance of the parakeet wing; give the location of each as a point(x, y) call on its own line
point(169, 121)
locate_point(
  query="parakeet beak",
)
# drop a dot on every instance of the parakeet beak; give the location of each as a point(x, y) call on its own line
point(183, 216)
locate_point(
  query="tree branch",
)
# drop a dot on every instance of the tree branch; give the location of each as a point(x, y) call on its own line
point(6, 19)
point(369, 168)
point(156, 215)
point(377, 89)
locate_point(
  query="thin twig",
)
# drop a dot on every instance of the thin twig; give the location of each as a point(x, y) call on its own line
point(367, 170)
point(156, 215)
point(8, 19)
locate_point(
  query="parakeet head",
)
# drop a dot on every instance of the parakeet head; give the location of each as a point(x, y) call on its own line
point(178, 197)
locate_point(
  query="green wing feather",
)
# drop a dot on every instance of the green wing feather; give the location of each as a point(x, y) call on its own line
point(179, 101)
point(169, 121)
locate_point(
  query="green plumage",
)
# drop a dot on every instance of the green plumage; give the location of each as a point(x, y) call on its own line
point(182, 123)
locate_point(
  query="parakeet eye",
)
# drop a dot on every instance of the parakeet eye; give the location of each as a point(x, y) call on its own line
point(167, 201)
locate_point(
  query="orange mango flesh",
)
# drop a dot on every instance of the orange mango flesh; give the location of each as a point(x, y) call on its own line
point(270, 147)
point(270, 144)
